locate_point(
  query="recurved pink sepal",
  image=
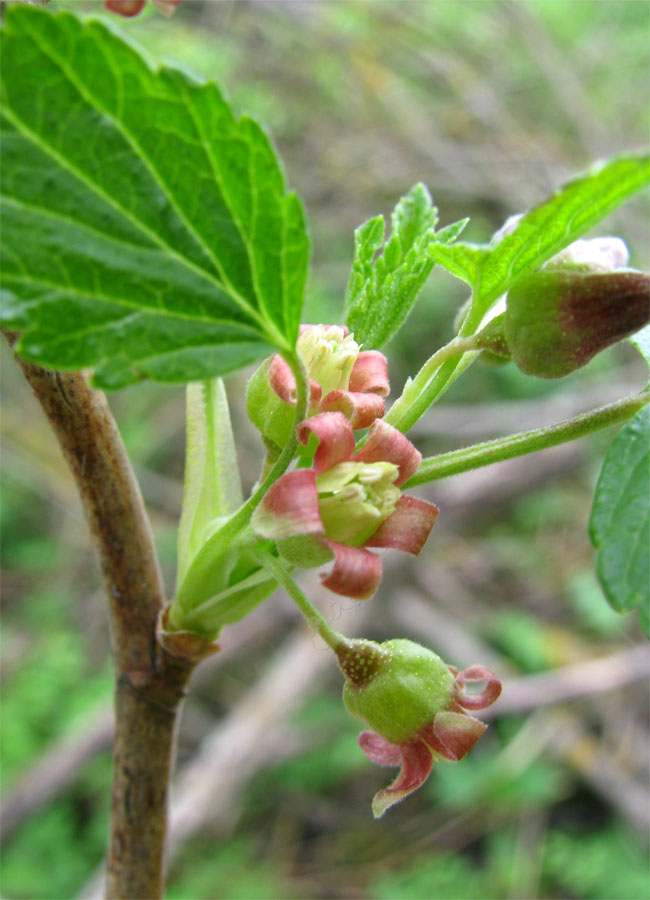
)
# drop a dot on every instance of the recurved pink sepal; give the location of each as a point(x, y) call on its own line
point(289, 507)
point(336, 439)
point(356, 572)
point(370, 373)
point(387, 444)
point(416, 768)
point(407, 528)
point(453, 734)
point(284, 384)
point(480, 699)
point(379, 750)
point(359, 409)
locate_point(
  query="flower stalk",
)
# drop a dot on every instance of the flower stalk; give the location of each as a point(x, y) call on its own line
point(316, 621)
point(500, 449)
point(424, 388)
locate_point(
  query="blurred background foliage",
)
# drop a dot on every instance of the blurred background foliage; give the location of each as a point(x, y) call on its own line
point(492, 105)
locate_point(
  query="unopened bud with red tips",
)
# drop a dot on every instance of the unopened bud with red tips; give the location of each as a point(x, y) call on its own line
point(558, 318)
point(416, 706)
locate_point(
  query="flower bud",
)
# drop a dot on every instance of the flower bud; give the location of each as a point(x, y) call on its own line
point(558, 319)
point(603, 254)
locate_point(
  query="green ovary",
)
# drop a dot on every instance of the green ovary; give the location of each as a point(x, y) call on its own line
point(355, 498)
point(407, 693)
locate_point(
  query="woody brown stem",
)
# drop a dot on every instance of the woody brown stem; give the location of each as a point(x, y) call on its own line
point(150, 683)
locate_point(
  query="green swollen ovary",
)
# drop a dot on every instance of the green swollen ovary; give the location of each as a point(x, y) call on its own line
point(407, 693)
point(355, 498)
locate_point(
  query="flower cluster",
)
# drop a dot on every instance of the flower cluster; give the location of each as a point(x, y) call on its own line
point(344, 504)
point(346, 501)
point(416, 706)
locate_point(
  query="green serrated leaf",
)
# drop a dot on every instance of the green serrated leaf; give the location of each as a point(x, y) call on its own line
point(212, 487)
point(543, 231)
point(464, 261)
point(619, 527)
point(382, 291)
point(414, 215)
point(146, 230)
point(450, 233)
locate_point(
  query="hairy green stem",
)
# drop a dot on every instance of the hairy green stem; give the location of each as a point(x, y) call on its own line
point(435, 376)
point(497, 450)
point(314, 619)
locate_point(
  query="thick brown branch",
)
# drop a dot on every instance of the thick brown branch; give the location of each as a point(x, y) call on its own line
point(149, 683)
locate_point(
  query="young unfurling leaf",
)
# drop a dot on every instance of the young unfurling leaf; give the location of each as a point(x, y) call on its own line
point(381, 291)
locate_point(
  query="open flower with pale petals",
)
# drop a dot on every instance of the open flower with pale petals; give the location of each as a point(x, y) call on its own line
point(345, 503)
point(417, 707)
point(342, 378)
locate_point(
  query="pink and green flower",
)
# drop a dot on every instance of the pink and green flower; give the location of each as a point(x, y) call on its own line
point(417, 707)
point(346, 503)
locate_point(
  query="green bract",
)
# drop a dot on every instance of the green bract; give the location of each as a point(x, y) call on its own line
point(411, 685)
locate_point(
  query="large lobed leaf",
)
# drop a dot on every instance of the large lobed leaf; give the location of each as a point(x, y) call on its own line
point(146, 231)
point(575, 208)
point(620, 520)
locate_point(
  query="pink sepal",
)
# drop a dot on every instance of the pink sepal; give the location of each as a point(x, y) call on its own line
point(407, 528)
point(283, 382)
point(124, 7)
point(453, 734)
point(475, 675)
point(289, 507)
point(359, 409)
point(370, 374)
point(336, 439)
point(356, 572)
point(417, 763)
point(379, 750)
point(387, 444)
